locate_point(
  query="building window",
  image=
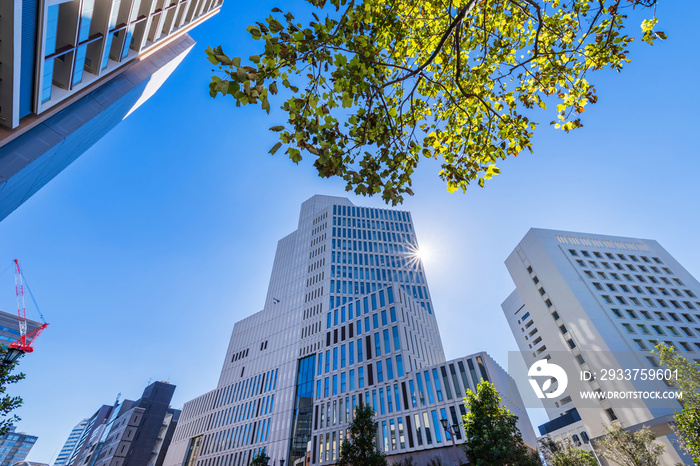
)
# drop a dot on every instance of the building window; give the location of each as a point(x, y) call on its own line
point(611, 414)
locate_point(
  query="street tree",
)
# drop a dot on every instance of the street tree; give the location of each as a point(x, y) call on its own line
point(361, 448)
point(261, 459)
point(492, 437)
point(686, 375)
point(573, 457)
point(372, 87)
point(630, 448)
point(564, 453)
point(8, 403)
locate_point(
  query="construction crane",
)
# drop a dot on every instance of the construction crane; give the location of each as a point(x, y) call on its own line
point(26, 339)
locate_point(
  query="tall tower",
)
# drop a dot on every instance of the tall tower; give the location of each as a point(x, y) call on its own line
point(71, 443)
point(347, 319)
point(597, 305)
point(71, 70)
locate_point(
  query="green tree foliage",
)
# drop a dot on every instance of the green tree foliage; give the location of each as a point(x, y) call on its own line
point(491, 435)
point(564, 453)
point(630, 448)
point(361, 448)
point(374, 86)
point(688, 381)
point(571, 456)
point(261, 459)
point(8, 403)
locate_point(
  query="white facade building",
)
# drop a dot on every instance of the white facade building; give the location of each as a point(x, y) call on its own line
point(347, 319)
point(597, 305)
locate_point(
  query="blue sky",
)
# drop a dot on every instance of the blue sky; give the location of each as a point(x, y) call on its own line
point(146, 250)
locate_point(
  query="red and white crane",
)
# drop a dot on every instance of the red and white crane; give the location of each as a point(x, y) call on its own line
point(24, 344)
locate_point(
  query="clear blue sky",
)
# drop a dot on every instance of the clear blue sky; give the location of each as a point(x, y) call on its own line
point(146, 250)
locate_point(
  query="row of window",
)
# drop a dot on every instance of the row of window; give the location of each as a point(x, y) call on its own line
point(239, 458)
point(243, 412)
point(393, 434)
point(659, 315)
point(365, 308)
point(351, 347)
point(239, 355)
point(611, 256)
point(365, 274)
point(652, 344)
point(555, 315)
point(374, 260)
point(250, 387)
point(618, 266)
point(343, 287)
point(366, 212)
point(395, 232)
point(348, 380)
point(647, 302)
point(417, 292)
point(638, 289)
point(65, 62)
point(630, 278)
point(237, 437)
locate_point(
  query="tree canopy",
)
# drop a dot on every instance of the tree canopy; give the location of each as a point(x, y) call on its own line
point(8, 403)
point(492, 437)
point(361, 447)
point(688, 381)
point(564, 453)
point(630, 448)
point(374, 86)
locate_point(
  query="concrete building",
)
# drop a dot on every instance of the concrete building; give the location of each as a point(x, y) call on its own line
point(596, 306)
point(129, 433)
point(71, 443)
point(347, 319)
point(132, 433)
point(71, 70)
point(15, 446)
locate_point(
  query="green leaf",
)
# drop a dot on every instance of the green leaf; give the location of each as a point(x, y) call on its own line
point(275, 148)
point(294, 155)
point(355, 78)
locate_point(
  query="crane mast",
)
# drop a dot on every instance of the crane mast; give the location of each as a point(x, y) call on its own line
point(26, 339)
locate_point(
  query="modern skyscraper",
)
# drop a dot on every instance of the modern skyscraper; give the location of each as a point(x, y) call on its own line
point(347, 319)
point(597, 305)
point(71, 70)
point(15, 447)
point(71, 443)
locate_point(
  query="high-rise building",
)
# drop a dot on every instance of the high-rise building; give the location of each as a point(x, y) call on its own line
point(15, 446)
point(131, 432)
point(85, 446)
point(71, 443)
point(348, 319)
point(9, 328)
point(71, 70)
point(596, 305)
